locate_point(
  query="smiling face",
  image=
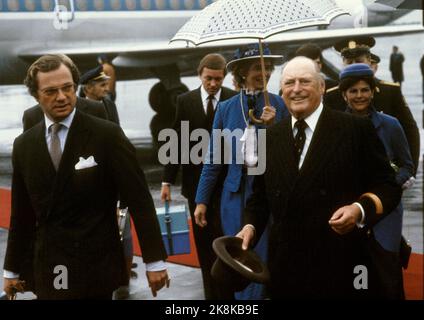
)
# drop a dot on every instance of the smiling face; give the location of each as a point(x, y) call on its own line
point(302, 87)
point(253, 77)
point(56, 93)
point(359, 96)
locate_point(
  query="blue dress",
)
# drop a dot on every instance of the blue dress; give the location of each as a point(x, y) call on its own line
point(232, 115)
point(388, 231)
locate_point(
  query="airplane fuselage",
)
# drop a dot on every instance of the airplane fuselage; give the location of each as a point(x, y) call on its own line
point(137, 32)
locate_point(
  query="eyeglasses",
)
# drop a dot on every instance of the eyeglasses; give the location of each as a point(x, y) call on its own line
point(53, 92)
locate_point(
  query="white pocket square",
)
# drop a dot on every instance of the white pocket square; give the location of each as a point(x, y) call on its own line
point(85, 163)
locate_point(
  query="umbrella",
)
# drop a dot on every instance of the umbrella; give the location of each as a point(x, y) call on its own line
point(256, 19)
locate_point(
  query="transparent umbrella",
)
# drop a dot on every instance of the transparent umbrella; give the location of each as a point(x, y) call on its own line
point(256, 19)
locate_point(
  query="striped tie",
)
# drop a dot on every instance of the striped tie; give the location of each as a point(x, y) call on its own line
point(299, 139)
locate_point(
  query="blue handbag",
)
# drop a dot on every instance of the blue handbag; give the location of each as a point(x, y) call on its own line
point(174, 228)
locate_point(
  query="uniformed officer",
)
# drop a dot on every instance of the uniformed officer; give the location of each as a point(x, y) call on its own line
point(95, 85)
point(375, 60)
point(387, 97)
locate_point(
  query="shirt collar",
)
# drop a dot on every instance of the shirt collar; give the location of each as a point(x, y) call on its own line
point(65, 122)
point(312, 119)
point(205, 95)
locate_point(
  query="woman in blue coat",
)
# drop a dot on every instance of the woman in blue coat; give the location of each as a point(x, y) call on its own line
point(232, 119)
point(357, 85)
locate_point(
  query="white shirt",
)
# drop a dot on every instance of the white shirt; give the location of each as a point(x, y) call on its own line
point(205, 100)
point(311, 122)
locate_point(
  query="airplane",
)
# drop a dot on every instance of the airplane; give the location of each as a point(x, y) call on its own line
point(136, 35)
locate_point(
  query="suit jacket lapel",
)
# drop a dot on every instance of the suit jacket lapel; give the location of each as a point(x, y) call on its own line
point(198, 103)
point(283, 143)
point(324, 143)
point(41, 150)
point(76, 140)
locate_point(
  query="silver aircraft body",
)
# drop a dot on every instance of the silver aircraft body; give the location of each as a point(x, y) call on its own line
point(136, 34)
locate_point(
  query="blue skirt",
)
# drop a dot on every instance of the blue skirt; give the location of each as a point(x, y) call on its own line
point(232, 206)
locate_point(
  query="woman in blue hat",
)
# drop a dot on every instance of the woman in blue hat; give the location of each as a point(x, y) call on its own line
point(357, 85)
point(240, 135)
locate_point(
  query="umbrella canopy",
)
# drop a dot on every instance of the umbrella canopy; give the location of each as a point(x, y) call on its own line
point(257, 19)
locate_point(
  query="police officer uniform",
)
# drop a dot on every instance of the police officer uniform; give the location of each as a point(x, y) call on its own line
point(388, 97)
point(97, 74)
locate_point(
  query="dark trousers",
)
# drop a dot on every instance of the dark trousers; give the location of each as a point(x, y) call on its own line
point(203, 238)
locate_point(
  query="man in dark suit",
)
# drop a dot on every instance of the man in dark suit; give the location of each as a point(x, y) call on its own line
point(387, 97)
point(95, 85)
point(396, 65)
point(68, 172)
point(198, 108)
point(327, 182)
point(35, 114)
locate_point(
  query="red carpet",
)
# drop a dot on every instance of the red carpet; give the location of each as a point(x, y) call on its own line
point(413, 277)
point(5, 202)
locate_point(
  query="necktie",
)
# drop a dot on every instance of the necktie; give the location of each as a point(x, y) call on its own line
point(210, 112)
point(299, 139)
point(55, 149)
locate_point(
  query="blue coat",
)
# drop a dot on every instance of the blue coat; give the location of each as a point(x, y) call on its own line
point(388, 231)
point(229, 116)
point(237, 184)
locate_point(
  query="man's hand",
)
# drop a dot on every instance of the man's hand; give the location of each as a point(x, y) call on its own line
point(12, 286)
point(200, 215)
point(247, 234)
point(157, 280)
point(165, 193)
point(268, 115)
point(345, 219)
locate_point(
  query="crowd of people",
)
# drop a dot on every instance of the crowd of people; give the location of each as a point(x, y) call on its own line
point(339, 152)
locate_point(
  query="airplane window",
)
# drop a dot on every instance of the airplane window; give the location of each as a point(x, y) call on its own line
point(203, 3)
point(99, 5)
point(189, 4)
point(47, 5)
point(145, 4)
point(175, 4)
point(82, 5)
point(131, 4)
point(160, 4)
point(13, 5)
point(30, 5)
point(115, 4)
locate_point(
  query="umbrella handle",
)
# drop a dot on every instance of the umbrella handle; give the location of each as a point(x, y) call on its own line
point(254, 119)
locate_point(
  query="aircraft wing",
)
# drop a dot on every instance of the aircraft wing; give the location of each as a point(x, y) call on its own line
point(403, 4)
point(144, 57)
